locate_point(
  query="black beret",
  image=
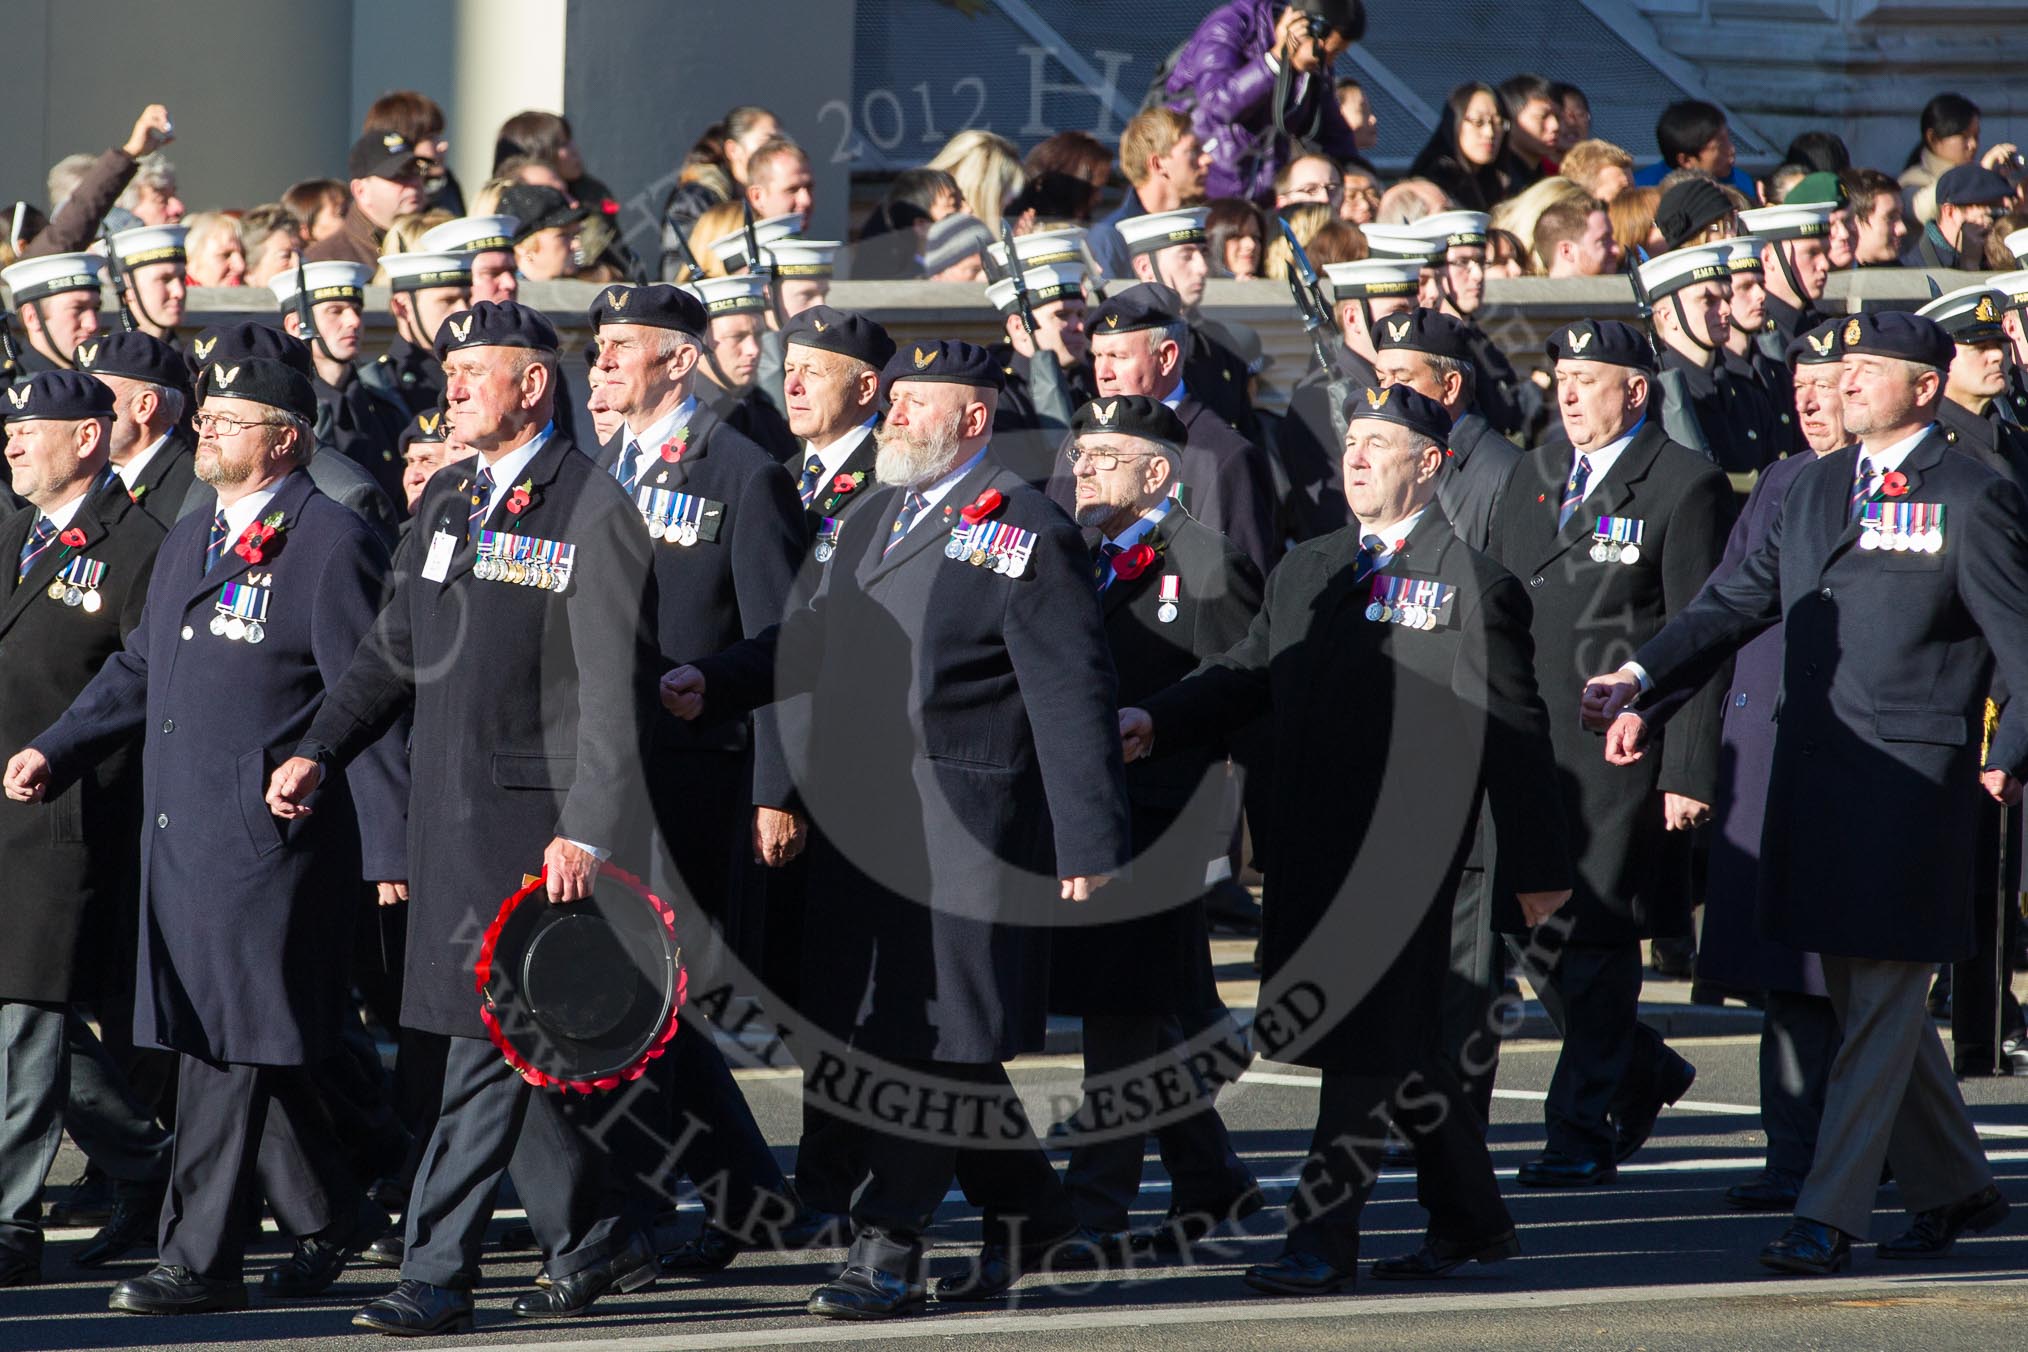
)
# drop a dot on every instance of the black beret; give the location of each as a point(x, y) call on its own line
point(1898, 334)
point(1145, 305)
point(1426, 331)
point(137, 356)
point(537, 206)
point(657, 306)
point(1970, 185)
point(1400, 404)
point(951, 362)
point(58, 396)
point(1687, 208)
point(425, 426)
point(236, 342)
point(1131, 415)
point(260, 380)
point(490, 323)
point(1603, 340)
point(842, 331)
point(1817, 347)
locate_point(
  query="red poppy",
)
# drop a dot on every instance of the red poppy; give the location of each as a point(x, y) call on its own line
point(74, 538)
point(254, 540)
point(1894, 484)
point(983, 506)
point(1129, 564)
point(673, 448)
point(844, 483)
point(1542, 497)
point(517, 502)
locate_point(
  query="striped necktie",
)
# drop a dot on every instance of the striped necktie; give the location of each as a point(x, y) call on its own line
point(1371, 547)
point(1573, 492)
point(38, 540)
point(214, 549)
point(482, 503)
point(1102, 563)
point(1862, 488)
point(813, 470)
point(912, 506)
point(628, 470)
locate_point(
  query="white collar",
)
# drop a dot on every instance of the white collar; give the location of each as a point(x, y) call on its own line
point(1144, 524)
point(1602, 459)
point(841, 447)
point(242, 513)
point(138, 461)
point(509, 466)
point(1889, 458)
point(1392, 535)
point(663, 428)
point(64, 515)
point(1177, 395)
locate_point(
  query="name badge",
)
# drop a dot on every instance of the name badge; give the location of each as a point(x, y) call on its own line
point(1414, 603)
point(1902, 527)
point(1616, 539)
point(437, 566)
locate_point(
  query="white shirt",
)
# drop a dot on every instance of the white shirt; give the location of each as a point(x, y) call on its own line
point(132, 469)
point(1392, 536)
point(509, 466)
point(1888, 459)
point(1603, 458)
point(838, 452)
point(244, 512)
point(61, 517)
point(648, 441)
point(1177, 395)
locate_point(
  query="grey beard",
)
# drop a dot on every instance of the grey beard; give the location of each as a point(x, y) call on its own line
point(905, 461)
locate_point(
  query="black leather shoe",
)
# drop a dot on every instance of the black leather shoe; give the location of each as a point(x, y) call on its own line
point(175, 1290)
point(20, 1267)
point(417, 1310)
point(998, 1266)
point(1675, 959)
point(709, 1250)
point(90, 1201)
point(1298, 1274)
point(319, 1260)
point(1182, 1228)
point(1638, 1123)
point(1438, 1257)
point(1808, 1249)
point(130, 1229)
point(1554, 1169)
point(387, 1251)
point(1229, 908)
point(1937, 1229)
point(861, 1292)
point(633, 1270)
point(1771, 1190)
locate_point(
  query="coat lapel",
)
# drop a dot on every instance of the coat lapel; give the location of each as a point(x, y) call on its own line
point(1122, 590)
point(1925, 455)
point(932, 527)
point(47, 563)
point(539, 474)
point(671, 475)
point(288, 500)
point(830, 502)
point(1606, 498)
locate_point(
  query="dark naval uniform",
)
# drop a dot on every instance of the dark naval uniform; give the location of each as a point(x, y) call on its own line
point(407, 375)
point(1478, 462)
point(1313, 449)
point(1732, 419)
point(1024, 440)
point(1216, 373)
point(166, 487)
point(364, 426)
point(246, 921)
point(753, 415)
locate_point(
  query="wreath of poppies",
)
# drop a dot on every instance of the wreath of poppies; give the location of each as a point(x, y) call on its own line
point(484, 974)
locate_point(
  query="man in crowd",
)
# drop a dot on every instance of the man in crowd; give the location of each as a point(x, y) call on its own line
point(1575, 239)
point(728, 368)
point(546, 243)
point(1454, 281)
point(1879, 226)
point(386, 181)
point(1168, 247)
point(1165, 165)
point(151, 262)
point(1797, 266)
point(1047, 371)
point(1430, 352)
point(56, 300)
point(1742, 357)
point(150, 449)
point(422, 289)
point(1968, 199)
point(778, 179)
point(363, 424)
point(489, 240)
point(1971, 413)
point(1700, 404)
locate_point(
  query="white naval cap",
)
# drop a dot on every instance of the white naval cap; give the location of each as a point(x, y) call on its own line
point(1159, 230)
point(470, 234)
point(1797, 220)
point(34, 278)
point(1672, 271)
point(1374, 277)
point(731, 250)
point(331, 279)
point(1046, 283)
point(1041, 248)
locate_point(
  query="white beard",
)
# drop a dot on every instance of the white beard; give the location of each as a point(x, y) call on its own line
point(912, 457)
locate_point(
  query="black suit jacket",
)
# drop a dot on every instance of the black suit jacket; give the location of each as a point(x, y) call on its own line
point(1155, 955)
point(1312, 449)
point(1385, 740)
point(1886, 660)
point(167, 483)
point(72, 861)
point(531, 710)
point(1477, 466)
point(1632, 877)
point(963, 756)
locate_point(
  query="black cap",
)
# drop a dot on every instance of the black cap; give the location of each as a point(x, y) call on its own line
point(1971, 185)
point(260, 380)
point(1602, 340)
point(1818, 346)
point(1898, 334)
point(1347, 16)
point(1687, 208)
point(950, 362)
point(425, 426)
point(1426, 331)
point(842, 331)
point(1400, 404)
point(235, 342)
point(657, 306)
point(1131, 415)
point(490, 323)
point(538, 207)
point(137, 356)
point(380, 154)
point(1145, 305)
point(58, 396)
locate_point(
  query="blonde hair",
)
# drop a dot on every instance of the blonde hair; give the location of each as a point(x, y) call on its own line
point(1151, 135)
point(1305, 221)
point(1581, 165)
point(988, 170)
point(714, 224)
point(1519, 214)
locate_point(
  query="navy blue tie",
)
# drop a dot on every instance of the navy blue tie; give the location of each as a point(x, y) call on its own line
point(37, 541)
point(1371, 547)
point(1102, 563)
point(628, 471)
point(482, 504)
point(912, 506)
point(1862, 488)
point(214, 550)
point(1573, 493)
point(813, 470)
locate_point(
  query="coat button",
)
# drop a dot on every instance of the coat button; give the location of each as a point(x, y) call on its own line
point(1810, 670)
point(187, 631)
point(168, 725)
point(1739, 701)
point(1809, 748)
point(162, 820)
point(1824, 595)
point(1535, 581)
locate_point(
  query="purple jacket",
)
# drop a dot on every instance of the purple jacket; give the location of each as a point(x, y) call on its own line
point(1222, 79)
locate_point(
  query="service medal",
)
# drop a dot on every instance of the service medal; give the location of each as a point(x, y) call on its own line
point(218, 625)
point(1869, 538)
point(1630, 553)
point(954, 548)
point(1598, 552)
point(235, 629)
point(1018, 565)
point(823, 551)
point(1376, 612)
point(72, 597)
point(978, 558)
point(1900, 545)
point(56, 590)
point(254, 632)
point(1167, 613)
point(92, 602)
point(689, 535)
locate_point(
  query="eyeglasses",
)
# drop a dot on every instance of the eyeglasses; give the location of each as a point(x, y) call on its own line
point(221, 425)
point(1100, 461)
point(1485, 123)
